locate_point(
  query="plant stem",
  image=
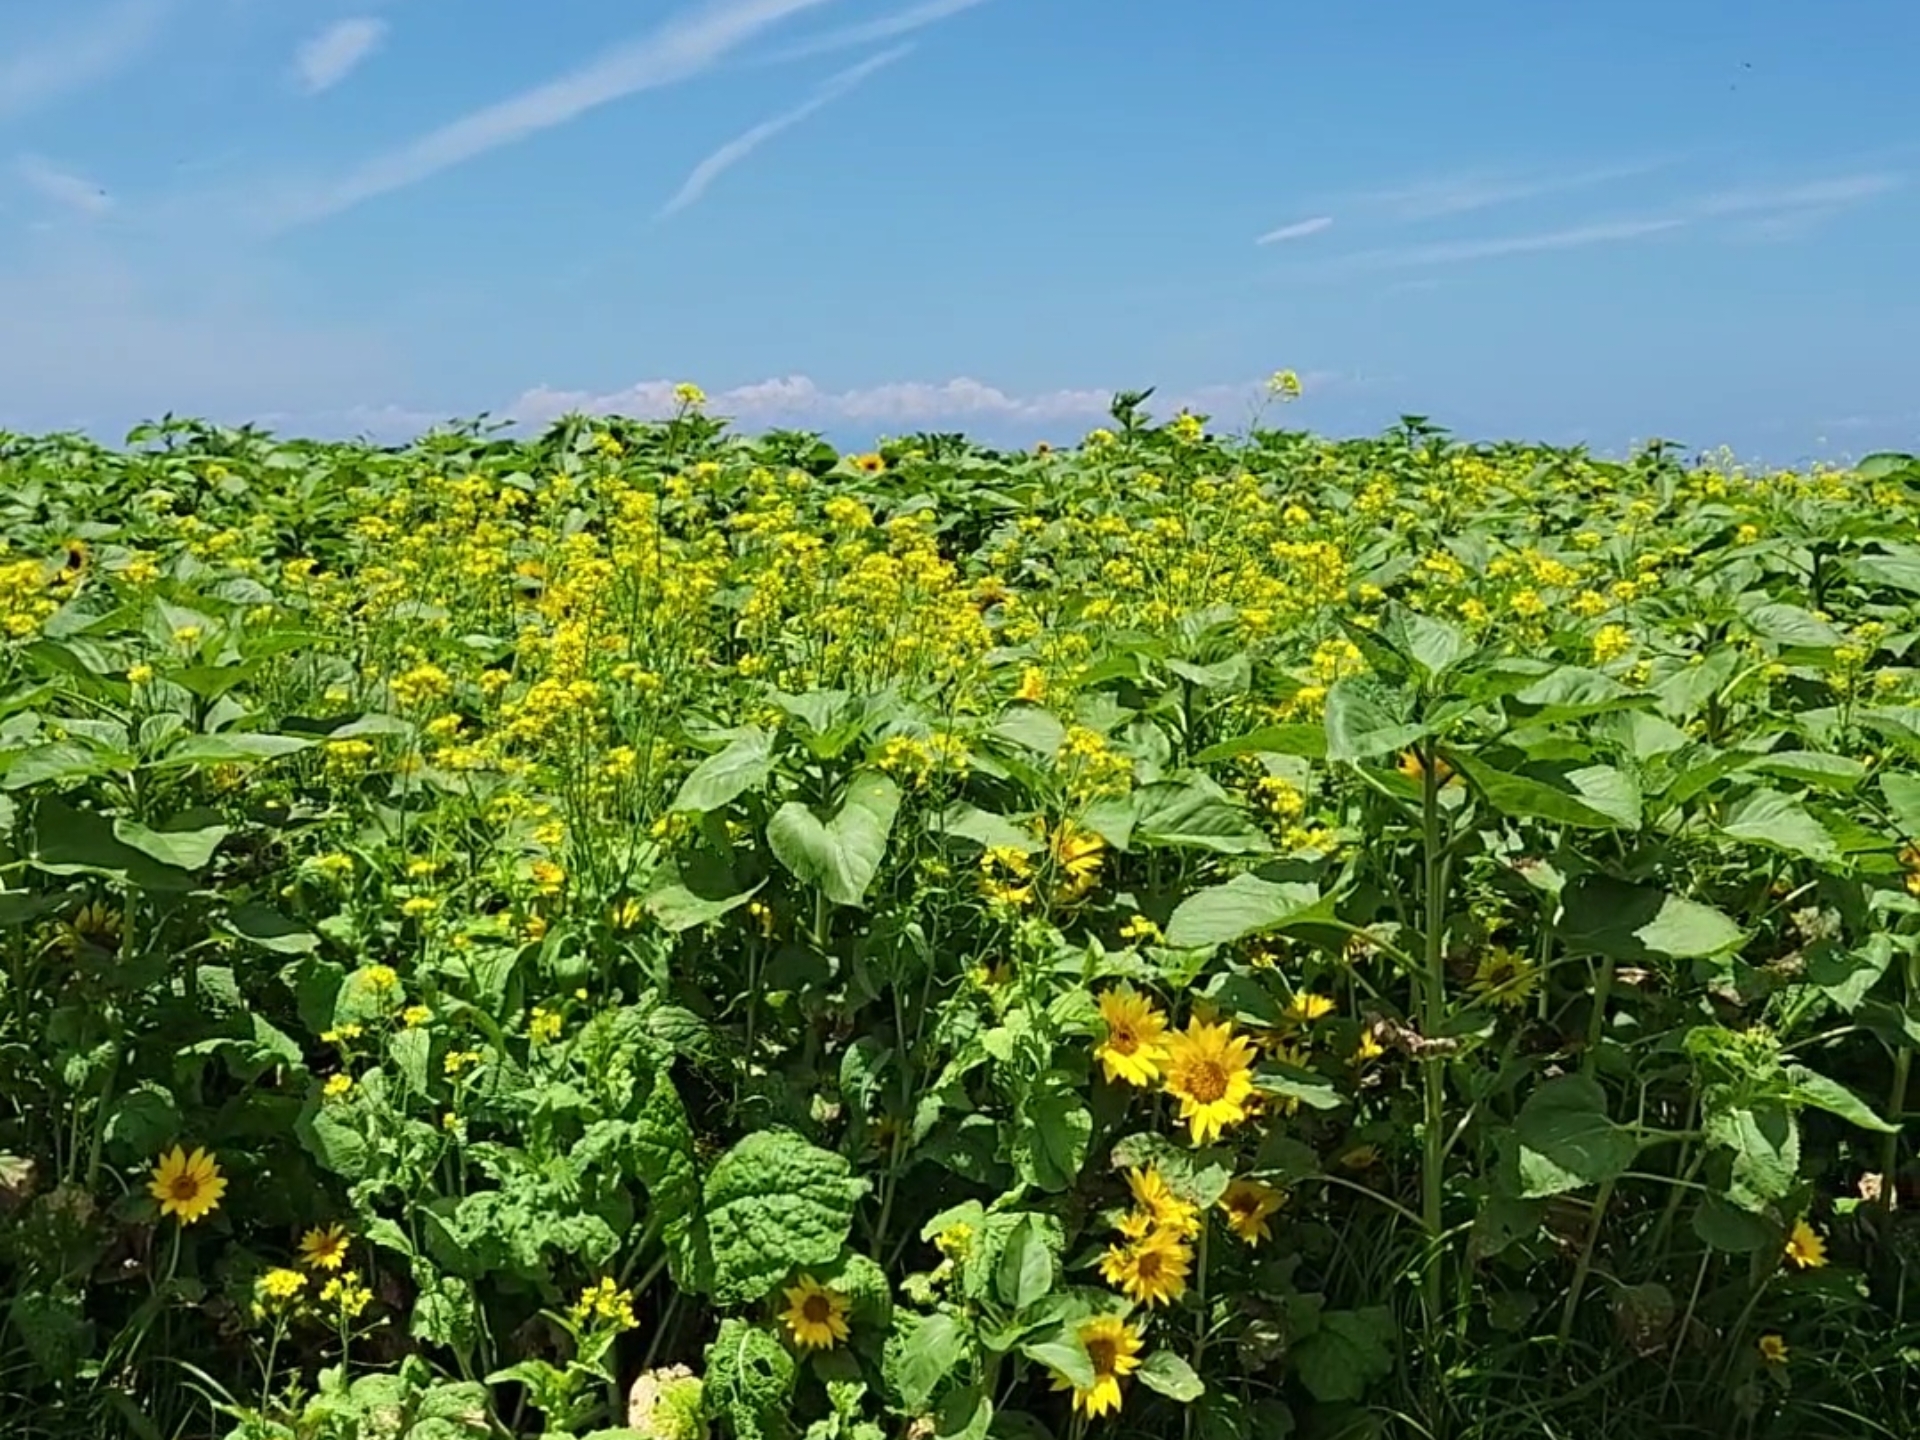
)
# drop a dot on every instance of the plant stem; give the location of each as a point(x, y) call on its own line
point(1433, 1012)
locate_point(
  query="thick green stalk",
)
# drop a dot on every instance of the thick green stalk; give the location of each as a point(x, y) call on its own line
point(1433, 1012)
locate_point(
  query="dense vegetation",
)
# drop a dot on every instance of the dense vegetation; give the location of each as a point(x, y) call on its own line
point(1178, 936)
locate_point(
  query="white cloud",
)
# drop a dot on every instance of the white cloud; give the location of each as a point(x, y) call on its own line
point(797, 401)
point(887, 27)
point(336, 52)
point(1453, 252)
point(1299, 230)
point(1836, 193)
point(1459, 194)
point(745, 143)
point(677, 51)
point(60, 64)
point(73, 192)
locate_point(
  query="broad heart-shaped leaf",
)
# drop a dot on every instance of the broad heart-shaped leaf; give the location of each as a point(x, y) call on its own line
point(1360, 727)
point(1306, 741)
point(1051, 1135)
point(1604, 916)
point(233, 748)
point(1791, 626)
point(1173, 1377)
point(1846, 975)
point(1812, 1088)
point(1345, 1353)
point(1765, 1143)
point(270, 930)
point(1525, 798)
point(775, 1204)
point(1778, 821)
point(842, 855)
point(1244, 905)
point(183, 849)
point(1902, 793)
point(719, 779)
point(1193, 816)
point(1434, 645)
point(69, 841)
point(921, 1353)
point(1567, 1139)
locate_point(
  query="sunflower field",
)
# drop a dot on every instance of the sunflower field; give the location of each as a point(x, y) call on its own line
point(650, 933)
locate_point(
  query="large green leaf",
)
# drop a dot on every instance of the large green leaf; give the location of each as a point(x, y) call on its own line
point(1604, 916)
point(775, 1204)
point(1812, 1088)
point(1345, 1353)
point(1245, 905)
point(1614, 805)
point(1193, 816)
point(749, 1380)
point(921, 1354)
point(1568, 1140)
point(841, 855)
point(718, 780)
point(1902, 794)
point(1360, 727)
point(1764, 1142)
point(1780, 822)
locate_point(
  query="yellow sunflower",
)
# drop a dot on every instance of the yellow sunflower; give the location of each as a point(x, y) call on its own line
point(1247, 1204)
point(188, 1187)
point(1150, 1271)
point(1307, 1007)
point(325, 1247)
point(1077, 855)
point(1773, 1349)
point(1210, 1072)
point(1162, 1209)
point(1114, 1348)
point(1805, 1249)
point(815, 1316)
point(1132, 1051)
point(1505, 978)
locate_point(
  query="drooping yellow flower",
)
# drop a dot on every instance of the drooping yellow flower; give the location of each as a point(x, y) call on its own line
point(1156, 1202)
point(1209, 1071)
point(1077, 854)
point(1773, 1349)
point(1247, 1204)
point(815, 1316)
point(188, 1187)
point(325, 1247)
point(1307, 1007)
point(1132, 1051)
point(1805, 1249)
point(1114, 1348)
point(1151, 1270)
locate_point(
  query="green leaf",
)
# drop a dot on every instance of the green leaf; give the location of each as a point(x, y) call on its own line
point(1778, 821)
point(1245, 905)
point(1064, 1356)
point(1764, 1140)
point(677, 907)
point(1173, 1377)
point(1848, 975)
point(1812, 1088)
point(843, 855)
point(985, 828)
point(1308, 742)
point(1435, 645)
point(775, 1204)
point(1525, 798)
point(1350, 1350)
point(722, 777)
point(1051, 1136)
point(1792, 626)
point(1812, 767)
point(1360, 727)
point(749, 1379)
point(266, 927)
point(182, 849)
point(662, 1141)
point(1567, 1139)
point(1024, 1275)
point(70, 841)
point(239, 748)
point(1196, 817)
point(1604, 916)
point(1903, 799)
point(921, 1353)
point(140, 1123)
point(1726, 1227)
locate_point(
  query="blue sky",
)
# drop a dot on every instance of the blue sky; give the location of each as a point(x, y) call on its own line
point(1591, 222)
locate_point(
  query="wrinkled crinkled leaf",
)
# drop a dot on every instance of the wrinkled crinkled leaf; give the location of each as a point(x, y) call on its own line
point(775, 1203)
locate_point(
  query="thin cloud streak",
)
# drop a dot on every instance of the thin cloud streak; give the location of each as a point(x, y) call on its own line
point(679, 50)
point(1838, 192)
point(1454, 252)
point(1462, 194)
point(72, 60)
point(1299, 230)
point(64, 188)
point(887, 27)
point(336, 52)
point(744, 144)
